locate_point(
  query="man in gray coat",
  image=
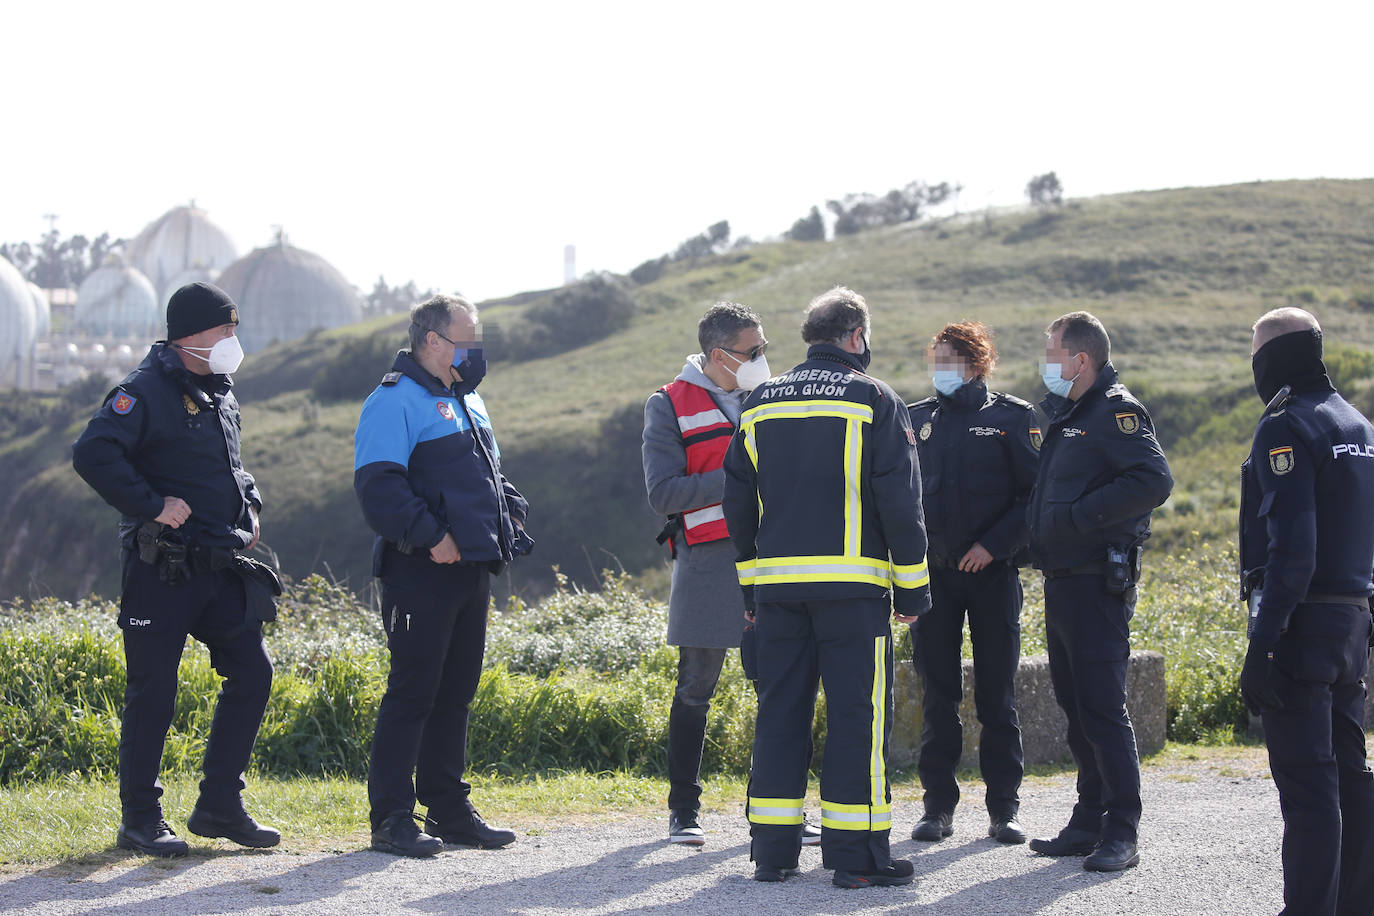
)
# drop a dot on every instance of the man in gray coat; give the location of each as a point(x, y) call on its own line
point(688, 425)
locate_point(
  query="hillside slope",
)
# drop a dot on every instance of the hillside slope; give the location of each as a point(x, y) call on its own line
point(1177, 276)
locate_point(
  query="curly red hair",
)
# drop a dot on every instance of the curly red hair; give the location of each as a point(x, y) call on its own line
point(973, 341)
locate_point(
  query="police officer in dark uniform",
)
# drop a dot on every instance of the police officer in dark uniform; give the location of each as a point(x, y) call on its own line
point(428, 476)
point(164, 451)
point(1101, 474)
point(978, 452)
point(1307, 548)
point(823, 504)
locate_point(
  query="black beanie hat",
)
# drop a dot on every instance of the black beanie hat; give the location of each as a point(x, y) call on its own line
point(198, 307)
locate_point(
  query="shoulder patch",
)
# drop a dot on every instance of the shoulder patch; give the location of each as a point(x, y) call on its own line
point(445, 409)
point(123, 403)
point(391, 378)
point(1281, 460)
point(1037, 438)
point(1128, 422)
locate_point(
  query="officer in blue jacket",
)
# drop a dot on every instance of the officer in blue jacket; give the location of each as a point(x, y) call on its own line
point(164, 450)
point(1101, 474)
point(1307, 545)
point(978, 454)
point(427, 472)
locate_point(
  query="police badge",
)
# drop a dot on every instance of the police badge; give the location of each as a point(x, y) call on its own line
point(190, 405)
point(1127, 422)
point(1281, 460)
point(925, 430)
point(1036, 438)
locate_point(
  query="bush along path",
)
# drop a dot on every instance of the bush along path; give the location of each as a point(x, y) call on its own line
point(579, 681)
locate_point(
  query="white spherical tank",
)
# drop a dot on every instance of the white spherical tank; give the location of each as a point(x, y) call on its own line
point(179, 240)
point(118, 301)
point(284, 293)
point(42, 311)
point(18, 324)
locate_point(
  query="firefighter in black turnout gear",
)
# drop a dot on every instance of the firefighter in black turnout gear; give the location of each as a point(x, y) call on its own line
point(164, 451)
point(822, 501)
point(978, 451)
point(427, 473)
point(1307, 554)
point(1101, 474)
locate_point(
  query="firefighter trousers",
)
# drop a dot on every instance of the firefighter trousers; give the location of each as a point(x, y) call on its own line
point(847, 645)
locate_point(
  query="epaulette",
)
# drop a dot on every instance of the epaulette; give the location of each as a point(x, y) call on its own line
point(1279, 402)
point(391, 378)
point(1120, 392)
point(1013, 400)
point(923, 402)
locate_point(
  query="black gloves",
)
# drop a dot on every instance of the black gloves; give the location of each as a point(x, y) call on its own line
point(1257, 679)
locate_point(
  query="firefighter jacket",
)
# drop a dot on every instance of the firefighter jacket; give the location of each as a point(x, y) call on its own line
point(822, 489)
point(165, 431)
point(426, 462)
point(1101, 474)
point(1310, 466)
point(978, 450)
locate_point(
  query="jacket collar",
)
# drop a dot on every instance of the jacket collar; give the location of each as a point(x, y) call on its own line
point(407, 365)
point(834, 354)
point(971, 395)
point(1057, 408)
point(163, 357)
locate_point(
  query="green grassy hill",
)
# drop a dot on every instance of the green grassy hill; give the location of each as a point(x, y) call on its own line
point(1177, 276)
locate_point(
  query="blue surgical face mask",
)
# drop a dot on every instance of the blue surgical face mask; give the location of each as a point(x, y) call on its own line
point(1050, 374)
point(947, 381)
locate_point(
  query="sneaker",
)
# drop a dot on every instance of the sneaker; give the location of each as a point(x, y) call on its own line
point(152, 840)
point(475, 832)
point(238, 827)
point(1070, 842)
point(401, 836)
point(932, 828)
point(683, 828)
point(811, 835)
point(898, 873)
point(772, 874)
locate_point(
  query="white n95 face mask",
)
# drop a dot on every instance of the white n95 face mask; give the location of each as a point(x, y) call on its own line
point(754, 373)
point(225, 356)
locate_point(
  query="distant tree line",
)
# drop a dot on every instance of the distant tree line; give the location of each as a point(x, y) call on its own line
point(54, 262)
point(713, 241)
point(859, 212)
point(389, 300)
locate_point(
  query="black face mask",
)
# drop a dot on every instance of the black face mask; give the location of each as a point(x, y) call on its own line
point(473, 369)
point(866, 356)
point(1288, 359)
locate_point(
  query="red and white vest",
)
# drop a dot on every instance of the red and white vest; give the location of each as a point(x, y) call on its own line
point(706, 436)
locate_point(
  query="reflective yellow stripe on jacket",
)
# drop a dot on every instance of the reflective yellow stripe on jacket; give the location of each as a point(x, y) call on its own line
point(852, 566)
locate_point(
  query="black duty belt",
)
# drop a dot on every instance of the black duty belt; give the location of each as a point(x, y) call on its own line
point(1322, 598)
point(1087, 569)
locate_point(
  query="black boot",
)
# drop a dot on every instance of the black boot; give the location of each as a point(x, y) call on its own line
point(471, 831)
point(401, 836)
point(238, 827)
point(935, 826)
point(152, 840)
point(1070, 842)
point(898, 873)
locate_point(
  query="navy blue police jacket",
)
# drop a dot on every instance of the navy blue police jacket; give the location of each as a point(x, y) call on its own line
point(164, 431)
point(1307, 492)
point(426, 463)
point(979, 451)
point(822, 491)
point(1102, 472)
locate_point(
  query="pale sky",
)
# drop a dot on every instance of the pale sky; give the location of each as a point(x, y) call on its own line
point(462, 145)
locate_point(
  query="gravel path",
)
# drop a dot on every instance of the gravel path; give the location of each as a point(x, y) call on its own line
point(1209, 844)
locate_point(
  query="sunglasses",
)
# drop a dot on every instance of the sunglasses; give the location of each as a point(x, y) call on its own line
point(749, 356)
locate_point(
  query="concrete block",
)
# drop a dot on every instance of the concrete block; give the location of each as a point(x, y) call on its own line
point(1044, 728)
